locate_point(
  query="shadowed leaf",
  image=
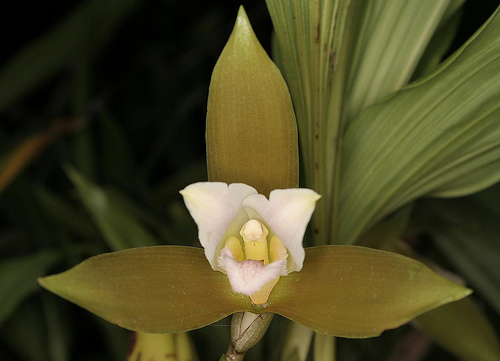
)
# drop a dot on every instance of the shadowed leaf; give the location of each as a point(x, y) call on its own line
point(26, 333)
point(468, 236)
point(120, 229)
point(63, 214)
point(463, 329)
point(18, 278)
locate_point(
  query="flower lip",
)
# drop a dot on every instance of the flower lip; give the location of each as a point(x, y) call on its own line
point(249, 276)
point(267, 227)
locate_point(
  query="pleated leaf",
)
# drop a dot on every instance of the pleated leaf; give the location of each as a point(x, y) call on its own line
point(439, 137)
point(251, 129)
point(441, 41)
point(163, 289)
point(359, 292)
point(390, 39)
point(310, 35)
point(339, 56)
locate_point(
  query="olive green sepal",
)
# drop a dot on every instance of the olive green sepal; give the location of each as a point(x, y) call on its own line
point(358, 292)
point(161, 289)
point(345, 291)
point(251, 128)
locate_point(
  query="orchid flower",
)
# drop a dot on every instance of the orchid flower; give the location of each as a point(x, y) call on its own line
point(252, 148)
point(252, 239)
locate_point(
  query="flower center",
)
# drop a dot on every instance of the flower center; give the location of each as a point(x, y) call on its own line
point(256, 247)
point(254, 236)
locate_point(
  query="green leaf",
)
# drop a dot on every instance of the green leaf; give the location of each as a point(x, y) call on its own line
point(359, 292)
point(389, 42)
point(18, 278)
point(463, 329)
point(119, 228)
point(164, 289)
point(86, 29)
point(310, 35)
point(441, 40)
point(251, 129)
point(440, 137)
point(468, 235)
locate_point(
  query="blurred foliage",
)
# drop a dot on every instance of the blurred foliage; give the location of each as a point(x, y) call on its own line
point(127, 82)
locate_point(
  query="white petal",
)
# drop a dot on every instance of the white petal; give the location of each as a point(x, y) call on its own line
point(249, 276)
point(287, 212)
point(214, 207)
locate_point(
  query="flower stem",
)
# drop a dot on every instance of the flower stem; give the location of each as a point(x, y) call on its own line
point(233, 355)
point(247, 329)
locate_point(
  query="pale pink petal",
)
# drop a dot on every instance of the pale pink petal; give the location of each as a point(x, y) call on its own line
point(216, 209)
point(287, 213)
point(249, 276)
